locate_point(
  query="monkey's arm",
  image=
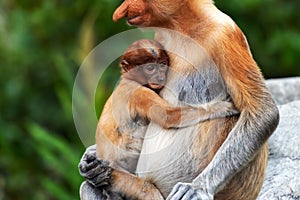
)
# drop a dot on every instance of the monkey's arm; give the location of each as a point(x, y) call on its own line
point(146, 103)
point(258, 119)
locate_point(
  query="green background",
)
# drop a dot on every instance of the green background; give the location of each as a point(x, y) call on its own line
point(43, 43)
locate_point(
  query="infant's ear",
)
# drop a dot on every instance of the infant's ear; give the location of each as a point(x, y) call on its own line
point(124, 63)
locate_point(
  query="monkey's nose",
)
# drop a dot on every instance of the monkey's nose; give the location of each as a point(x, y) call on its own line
point(160, 79)
point(120, 12)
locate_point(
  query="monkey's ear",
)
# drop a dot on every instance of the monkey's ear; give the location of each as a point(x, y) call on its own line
point(124, 63)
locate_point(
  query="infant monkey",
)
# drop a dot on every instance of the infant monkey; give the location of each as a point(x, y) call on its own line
point(135, 102)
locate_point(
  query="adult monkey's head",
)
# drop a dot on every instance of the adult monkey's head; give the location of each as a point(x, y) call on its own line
point(146, 13)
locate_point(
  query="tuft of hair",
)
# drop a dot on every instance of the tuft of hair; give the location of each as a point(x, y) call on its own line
point(142, 52)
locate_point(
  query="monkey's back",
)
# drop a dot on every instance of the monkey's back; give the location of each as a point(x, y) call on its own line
point(119, 137)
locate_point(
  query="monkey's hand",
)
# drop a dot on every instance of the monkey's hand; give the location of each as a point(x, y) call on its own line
point(186, 191)
point(96, 171)
point(221, 109)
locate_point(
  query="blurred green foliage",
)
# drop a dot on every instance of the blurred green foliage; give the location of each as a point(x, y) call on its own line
point(273, 31)
point(42, 44)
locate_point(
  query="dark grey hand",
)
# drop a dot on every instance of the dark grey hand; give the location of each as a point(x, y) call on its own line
point(97, 172)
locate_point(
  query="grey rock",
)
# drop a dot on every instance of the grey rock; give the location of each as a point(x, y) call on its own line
point(284, 90)
point(285, 141)
point(282, 179)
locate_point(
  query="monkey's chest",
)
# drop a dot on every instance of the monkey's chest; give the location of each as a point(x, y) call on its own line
point(135, 127)
point(194, 88)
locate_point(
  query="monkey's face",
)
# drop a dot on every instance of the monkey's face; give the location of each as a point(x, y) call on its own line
point(155, 75)
point(147, 12)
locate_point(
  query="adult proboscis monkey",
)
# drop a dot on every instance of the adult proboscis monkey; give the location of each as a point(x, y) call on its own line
point(216, 159)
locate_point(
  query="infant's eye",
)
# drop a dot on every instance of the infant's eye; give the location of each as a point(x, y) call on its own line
point(150, 68)
point(163, 66)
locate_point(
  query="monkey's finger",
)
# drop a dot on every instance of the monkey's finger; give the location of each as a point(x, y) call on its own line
point(199, 194)
point(93, 172)
point(189, 195)
point(92, 169)
point(102, 179)
point(178, 191)
point(90, 154)
point(92, 164)
point(96, 169)
point(85, 166)
point(82, 167)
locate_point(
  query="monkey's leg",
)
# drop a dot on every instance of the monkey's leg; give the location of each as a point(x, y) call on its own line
point(134, 187)
point(97, 173)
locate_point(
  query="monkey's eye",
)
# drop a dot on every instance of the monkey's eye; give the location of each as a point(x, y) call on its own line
point(163, 66)
point(150, 69)
point(164, 62)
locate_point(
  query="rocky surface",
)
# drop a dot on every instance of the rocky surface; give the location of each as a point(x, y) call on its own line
point(282, 181)
point(284, 90)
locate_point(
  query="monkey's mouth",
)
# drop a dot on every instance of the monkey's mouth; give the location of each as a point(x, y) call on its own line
point(155, 86)
point(135, 20)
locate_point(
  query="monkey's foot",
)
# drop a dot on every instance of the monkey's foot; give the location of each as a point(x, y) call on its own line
point(187, 191)
point(97, 172)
